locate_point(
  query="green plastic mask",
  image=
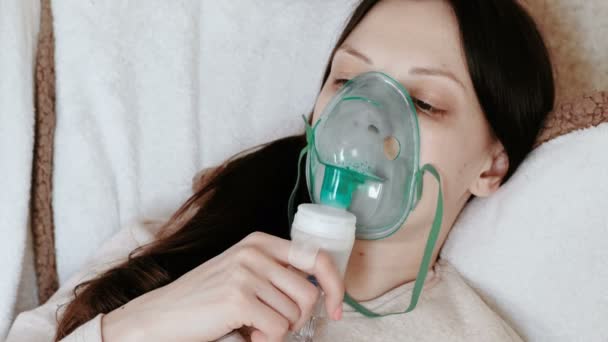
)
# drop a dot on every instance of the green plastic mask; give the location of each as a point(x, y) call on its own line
point(364, 154)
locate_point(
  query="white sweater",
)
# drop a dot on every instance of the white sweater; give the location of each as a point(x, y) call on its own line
point(448, 310)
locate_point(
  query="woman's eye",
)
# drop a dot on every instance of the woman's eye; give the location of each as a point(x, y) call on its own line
point(426, 108)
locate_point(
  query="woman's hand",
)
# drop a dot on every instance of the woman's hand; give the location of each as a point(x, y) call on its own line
point(249, 285)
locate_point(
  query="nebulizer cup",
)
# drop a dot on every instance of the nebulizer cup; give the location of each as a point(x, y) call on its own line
point(320, 227)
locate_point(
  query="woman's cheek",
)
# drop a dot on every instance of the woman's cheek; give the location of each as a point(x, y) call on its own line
point(439, 149)
point(429, 143)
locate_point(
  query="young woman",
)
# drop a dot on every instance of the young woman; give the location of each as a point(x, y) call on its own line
point(481, 79)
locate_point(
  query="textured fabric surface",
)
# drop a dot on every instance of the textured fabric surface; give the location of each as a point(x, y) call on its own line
point(148, 95)
point(42, 170)
point(19, 22)
point(575, 32)
point(40, 324)
point(584, 112)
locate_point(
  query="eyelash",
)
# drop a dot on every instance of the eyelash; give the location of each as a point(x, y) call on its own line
point(340, 81)
point(420, 105)
point(426, 107)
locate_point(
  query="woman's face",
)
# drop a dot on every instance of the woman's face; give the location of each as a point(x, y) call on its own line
point(418, 43)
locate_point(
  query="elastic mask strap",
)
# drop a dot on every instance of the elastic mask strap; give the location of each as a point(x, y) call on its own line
point(292, 197)
point(426, 258)
point(309, 144)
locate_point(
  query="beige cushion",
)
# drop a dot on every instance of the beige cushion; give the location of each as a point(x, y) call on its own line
point(583, 112)
point(575, 31)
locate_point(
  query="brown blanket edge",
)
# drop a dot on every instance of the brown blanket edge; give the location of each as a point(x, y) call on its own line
point(41, 211)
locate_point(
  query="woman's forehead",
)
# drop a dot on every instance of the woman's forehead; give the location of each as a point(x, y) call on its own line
point(400, 35)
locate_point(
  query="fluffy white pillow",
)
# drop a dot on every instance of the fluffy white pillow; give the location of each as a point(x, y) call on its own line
point(538, 249)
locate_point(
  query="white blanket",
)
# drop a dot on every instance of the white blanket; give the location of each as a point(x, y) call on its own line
point(147, 95)
point(538, 249)
point(19, 22)
point(149, 92)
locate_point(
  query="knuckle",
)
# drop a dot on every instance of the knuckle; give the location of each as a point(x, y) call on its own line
point(240, 276)
point(246, 254)
point(254, 237)
point(237, 297)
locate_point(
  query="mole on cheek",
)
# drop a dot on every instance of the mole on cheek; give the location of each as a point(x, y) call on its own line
point(463, 169)
point(464, 166)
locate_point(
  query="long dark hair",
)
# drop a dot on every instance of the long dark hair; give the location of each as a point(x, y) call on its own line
point(512, 75)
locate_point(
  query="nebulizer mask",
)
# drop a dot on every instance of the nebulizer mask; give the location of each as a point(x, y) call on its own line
point(362, 169)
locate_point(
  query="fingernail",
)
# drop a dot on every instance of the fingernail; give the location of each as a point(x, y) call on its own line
point(338, 314)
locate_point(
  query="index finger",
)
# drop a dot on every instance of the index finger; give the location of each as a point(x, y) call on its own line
point(324, 268)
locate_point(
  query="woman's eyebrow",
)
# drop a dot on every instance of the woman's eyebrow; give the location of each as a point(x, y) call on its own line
point(426, 71)
point(355, 53)
point(437, 72)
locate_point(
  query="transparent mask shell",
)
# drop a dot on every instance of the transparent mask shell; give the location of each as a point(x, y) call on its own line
point(367, 138)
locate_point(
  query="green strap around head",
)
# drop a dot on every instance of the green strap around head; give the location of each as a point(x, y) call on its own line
point(426, 258)
point(292, 197)
point(309, 142)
